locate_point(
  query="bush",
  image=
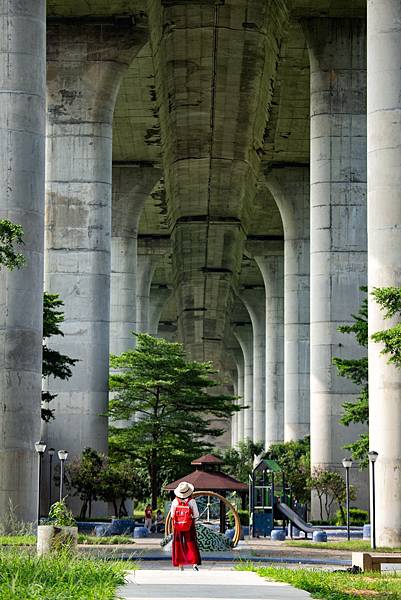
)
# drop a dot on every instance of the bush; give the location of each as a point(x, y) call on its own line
point(357, 516)
point(243, 517)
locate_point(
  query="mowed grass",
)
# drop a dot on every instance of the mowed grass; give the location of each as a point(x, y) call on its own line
point(24, 576)
point(17, 540)
point(334, 586)
point(351, 546)
point(30, 540)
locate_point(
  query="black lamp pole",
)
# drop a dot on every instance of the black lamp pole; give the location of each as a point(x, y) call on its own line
point(50, 452)
point(40, 448)
point(62, 454)
point(347, 464)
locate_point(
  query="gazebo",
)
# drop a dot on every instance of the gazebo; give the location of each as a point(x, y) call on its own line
point(208, 477)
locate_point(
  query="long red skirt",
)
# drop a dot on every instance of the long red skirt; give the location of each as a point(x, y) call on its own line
point(185, 548)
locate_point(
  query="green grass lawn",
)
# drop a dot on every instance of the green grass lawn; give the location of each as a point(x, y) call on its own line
point(17, 540)
point(334, 586)
point(352, 546)
point(113, 539)
point(58, 577)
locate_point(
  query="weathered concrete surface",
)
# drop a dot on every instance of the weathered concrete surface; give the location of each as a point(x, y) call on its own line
point(338, 242)
point(290, 189)
point(159, 296)
point(244, 335)
point(215, 69)
point(22, 168)
point(271, 266)
point(85, 65)
point(384, 218)
point(255, 302)
point(131, 188)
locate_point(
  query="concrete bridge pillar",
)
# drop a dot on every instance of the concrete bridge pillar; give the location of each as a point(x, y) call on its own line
point(384, 235)
point(239, 361)
point(290, 189)
point(22, 172)
point(272, 269)
point(131, 187)
point(159, 296)
point(255, 302)
point(244, 336)
point(85, 65)
point(146, 269)
point(338, 245)
point(234, 429)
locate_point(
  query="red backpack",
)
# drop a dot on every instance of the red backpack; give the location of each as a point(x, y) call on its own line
point(183, 516)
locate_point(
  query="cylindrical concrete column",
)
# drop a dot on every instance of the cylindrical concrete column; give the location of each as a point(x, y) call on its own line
point(145, 270)
point(255, 302)
point(338, 245)
point(85, 65)
point(272, 269)
point(22, 172)
point(244, 335)
point(131, 188)
point(234, 418)
point(239, 361)
point(159, 296)
point(384, 235)
point(290, 189)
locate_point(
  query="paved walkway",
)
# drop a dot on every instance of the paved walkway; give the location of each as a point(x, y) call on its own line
point(208, 583)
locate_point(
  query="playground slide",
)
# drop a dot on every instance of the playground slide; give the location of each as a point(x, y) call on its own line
point(295, 519)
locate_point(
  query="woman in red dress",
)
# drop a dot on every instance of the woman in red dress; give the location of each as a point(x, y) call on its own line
point(184, 512)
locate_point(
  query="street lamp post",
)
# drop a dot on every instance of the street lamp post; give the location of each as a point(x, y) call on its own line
point(62, 454)
point(372, 459)
point(50, 452)
point(347, 464)
point(40, 448)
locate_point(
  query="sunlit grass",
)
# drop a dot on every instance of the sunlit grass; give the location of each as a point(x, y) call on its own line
point(352, 546)
point(334, 586)
point(58, 577)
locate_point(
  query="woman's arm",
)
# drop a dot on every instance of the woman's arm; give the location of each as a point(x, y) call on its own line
point(195, 510)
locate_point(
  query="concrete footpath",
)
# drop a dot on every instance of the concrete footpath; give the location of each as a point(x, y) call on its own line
point(210, 584)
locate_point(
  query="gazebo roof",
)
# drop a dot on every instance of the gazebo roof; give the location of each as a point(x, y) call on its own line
point(207, 459)
point(209, 481)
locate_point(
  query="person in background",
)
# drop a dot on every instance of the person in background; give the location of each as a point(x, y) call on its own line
point(148, 517)
point(184, 512)
point(159, 521)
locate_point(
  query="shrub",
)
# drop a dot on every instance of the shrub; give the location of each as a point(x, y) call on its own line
point(243, 517)
point(357, 516)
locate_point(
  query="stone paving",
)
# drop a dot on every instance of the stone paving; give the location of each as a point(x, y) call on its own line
point(211, 582)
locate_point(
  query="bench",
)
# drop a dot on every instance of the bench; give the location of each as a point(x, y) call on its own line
point(367, 561)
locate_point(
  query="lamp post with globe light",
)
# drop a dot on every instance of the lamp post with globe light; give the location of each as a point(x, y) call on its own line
point(40, 448)
point(372, 459)
point(62, 454)
point(347, 464)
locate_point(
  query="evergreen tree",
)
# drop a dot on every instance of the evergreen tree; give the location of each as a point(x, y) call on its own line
point(356, 370)
point(10, 235)
point(389, 300)
point(294, 460)
point(163, 398)
point(238, 462)
point(53, 363)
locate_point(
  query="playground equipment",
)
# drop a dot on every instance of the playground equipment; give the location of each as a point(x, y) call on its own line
point(270, 500)
point(213, 508)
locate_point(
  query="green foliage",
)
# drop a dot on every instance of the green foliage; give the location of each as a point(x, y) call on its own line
point(58, 576)
point(17, 540)
point(338, 585)
point(356, 370)
point(54, 363)
point(168, 404)
point(389, 300)
point(294, 459)
point(11, 235)
point(357, 516)
point(112, 540)
point(329, 487)
point(11, 525)
point(351, 546)
point(243, 517)
point(96, 477)
point(238, 462)
point(61, 516)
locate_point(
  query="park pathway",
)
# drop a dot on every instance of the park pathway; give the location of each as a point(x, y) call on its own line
point(209, 583)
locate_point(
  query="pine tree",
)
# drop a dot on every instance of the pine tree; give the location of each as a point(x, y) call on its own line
point(54, 363)
point(357, 371)
point(164, 399)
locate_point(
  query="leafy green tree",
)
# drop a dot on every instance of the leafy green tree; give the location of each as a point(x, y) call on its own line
point(84, 476)
point(11, 235)
point(164, 399)
point(238, 462)
point(389, 300)
point(54, 363)
point(294, 459)
point(330, 487)
point(356, 370)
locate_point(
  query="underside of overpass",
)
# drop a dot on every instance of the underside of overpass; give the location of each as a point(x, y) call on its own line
point(206, 181)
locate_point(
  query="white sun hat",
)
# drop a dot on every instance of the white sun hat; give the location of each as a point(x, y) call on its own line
point(184, 490)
